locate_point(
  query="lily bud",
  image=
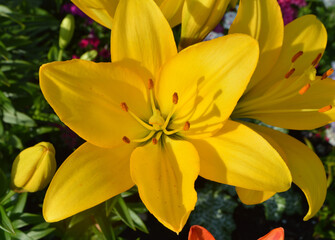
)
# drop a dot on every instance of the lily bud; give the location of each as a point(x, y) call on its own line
point(66, 31)
point(199, 18)
point(33, 168)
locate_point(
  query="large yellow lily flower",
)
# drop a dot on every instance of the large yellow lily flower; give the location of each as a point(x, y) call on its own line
point(285, 92)
point(157, 125)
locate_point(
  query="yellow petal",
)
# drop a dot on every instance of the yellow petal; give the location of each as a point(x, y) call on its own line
point(141, 32)
point(251, 197)
point(239, 156)
point(101, 11)
point(306, 168)
point(263, 21)
point(165, 176)
point(199, 18)
point(295, 111)
point(306, 34)
point(87, 97)
point(209, 78)
point(89, 176)
point(172, 10)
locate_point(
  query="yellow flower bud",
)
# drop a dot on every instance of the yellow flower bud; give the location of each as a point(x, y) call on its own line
point(33, 168)
point(66, 31)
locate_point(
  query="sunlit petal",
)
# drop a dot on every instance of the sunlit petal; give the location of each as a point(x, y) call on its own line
point(263, 21)
point(87, 97)
point(305, 166)
point(239, 156)
point(141, 32)
point(89, 176)
point(165, 176)
point(209, 78)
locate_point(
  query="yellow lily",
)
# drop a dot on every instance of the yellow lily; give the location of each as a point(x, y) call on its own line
point(285, 92)
point(158, 125)
point(102, 11)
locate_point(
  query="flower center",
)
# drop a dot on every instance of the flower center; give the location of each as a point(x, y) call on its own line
point(156, 123)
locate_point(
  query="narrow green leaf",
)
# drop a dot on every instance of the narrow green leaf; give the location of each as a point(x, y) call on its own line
point(110, 203)
point(139, 224)
point(40, 231)
point(105, 225)
point(5, 223)
point(121, 209)
point(25, 219)
point(21, 236)
point(21, 203)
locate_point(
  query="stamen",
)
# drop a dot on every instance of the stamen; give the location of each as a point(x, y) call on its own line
point(154, 141)
point(296, 56)
point(304, 89)
point(126, 140)
point(145, 138)
point(317, 59)
point(289, 73)
point(327, 74)
point(175, 98)
point(126, 109)
point(124, 106)
point(175, 101)
point(187, 126)
point(325, 109)
point(150, 84)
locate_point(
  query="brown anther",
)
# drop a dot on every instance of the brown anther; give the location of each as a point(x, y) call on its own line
point(187, 126)
point(125, 139)
point(124, 106)
point(289, 73)
point(317, 59)
point(296, 56)
point(154, 141)
point(325, 109)
point(304, 88)
point(175, 98)
point(327, 74)
point(150, 84)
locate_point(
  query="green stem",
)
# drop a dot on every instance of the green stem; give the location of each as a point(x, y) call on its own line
point(60, 54)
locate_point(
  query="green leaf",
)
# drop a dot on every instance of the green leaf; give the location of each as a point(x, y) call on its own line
point(21, 236)
point(121, 209)
point(105, 225)
point(40, 231)
point(139, 224)
point(19, 118)
point(21, 203)
point(25, 219)
point(5, 223)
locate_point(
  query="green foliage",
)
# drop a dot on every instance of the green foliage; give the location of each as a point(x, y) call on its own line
point(214, 210)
